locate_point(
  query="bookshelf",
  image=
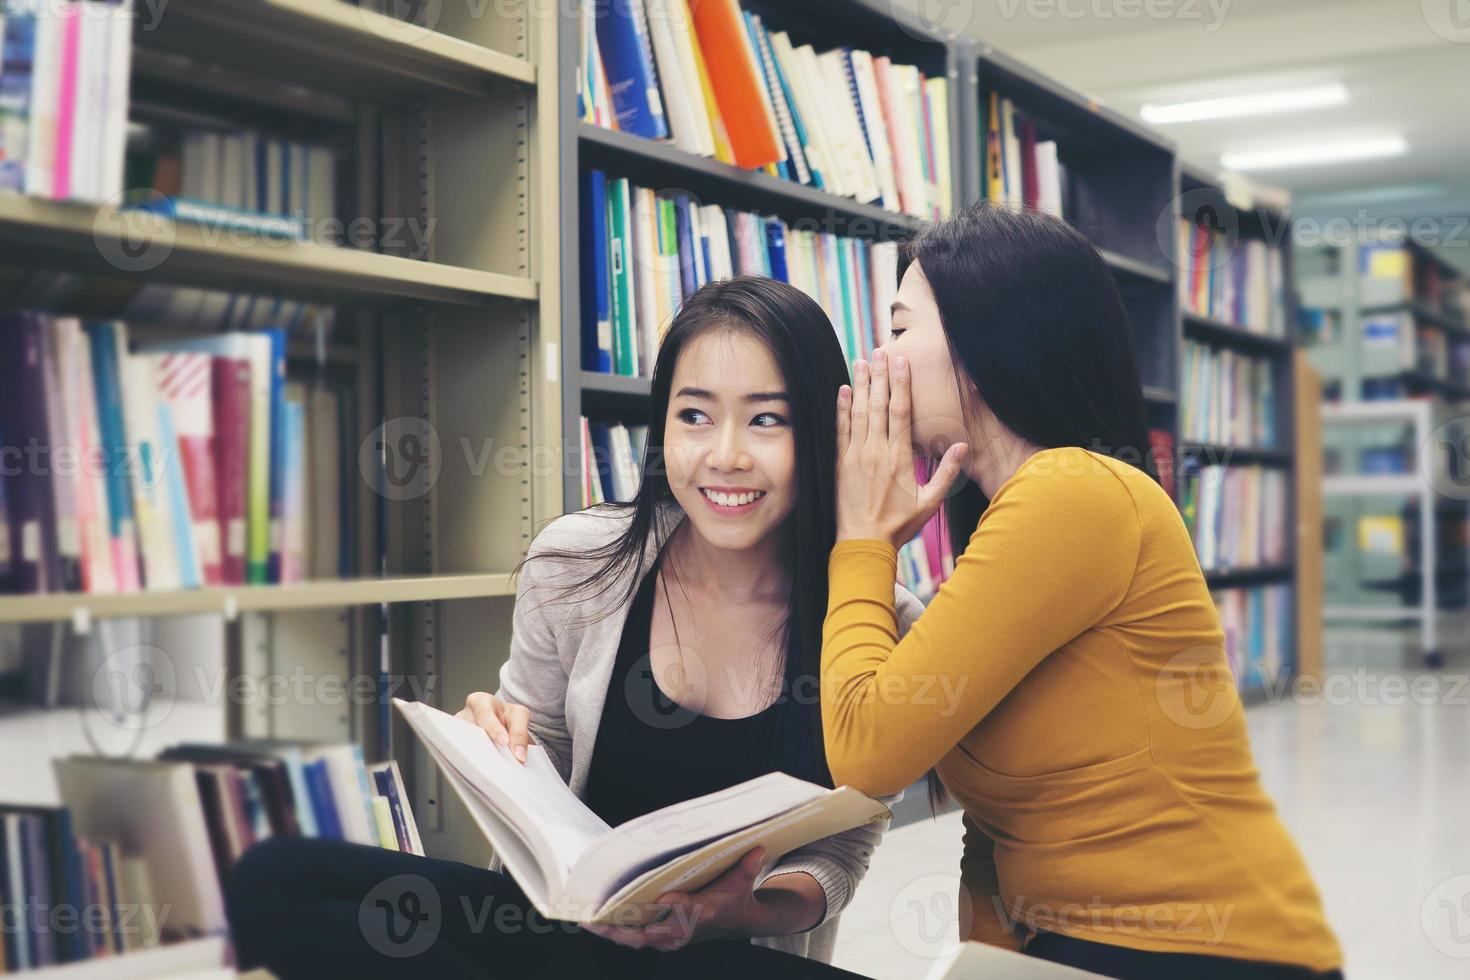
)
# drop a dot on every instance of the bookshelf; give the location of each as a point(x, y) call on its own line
point(868, 24)
point(455, 131)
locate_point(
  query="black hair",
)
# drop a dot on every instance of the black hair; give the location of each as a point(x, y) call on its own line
point(804, 345)
point(1037, 330)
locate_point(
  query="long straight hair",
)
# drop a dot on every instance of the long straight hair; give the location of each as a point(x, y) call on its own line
point(1037, 331)
point(804, 345)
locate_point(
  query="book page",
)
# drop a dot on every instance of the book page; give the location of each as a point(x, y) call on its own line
point(532, 797)
point(653, 838)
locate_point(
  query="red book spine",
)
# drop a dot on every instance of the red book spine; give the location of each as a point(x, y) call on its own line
point(232, 445)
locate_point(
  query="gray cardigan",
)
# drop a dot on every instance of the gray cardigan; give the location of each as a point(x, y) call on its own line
point(561, 660)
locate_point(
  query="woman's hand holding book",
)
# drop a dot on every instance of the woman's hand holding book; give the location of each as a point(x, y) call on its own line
point(507, 724)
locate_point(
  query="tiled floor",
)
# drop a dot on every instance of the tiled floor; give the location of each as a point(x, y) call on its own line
point(1375, 787)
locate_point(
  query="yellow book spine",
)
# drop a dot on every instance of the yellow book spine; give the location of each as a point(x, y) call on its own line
point(723, 151)
point(383, 813)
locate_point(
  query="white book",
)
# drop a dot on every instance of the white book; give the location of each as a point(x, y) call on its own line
point(680, 86)
point(45, 96)
point(884, 278)
point(233, 150)
point(938, 90)
point(115, 112)
point(867, 89)
point(829, 108)
point(624, 466)
point(904, 131)
point(853, 145)
point(818, 151)
point(94, 35)
point(1048, 179)
point(645, 276)
point(148, 473)
point(778, 101)
point(574, 867)
point(1011, 147)
point(719, 238)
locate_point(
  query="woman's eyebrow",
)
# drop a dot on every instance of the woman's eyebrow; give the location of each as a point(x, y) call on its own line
point(754, 396)
point(899, 305)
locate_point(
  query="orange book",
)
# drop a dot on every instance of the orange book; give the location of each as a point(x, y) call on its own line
point(728, 58)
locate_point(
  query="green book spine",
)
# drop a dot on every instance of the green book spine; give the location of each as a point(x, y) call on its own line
point(625, 354)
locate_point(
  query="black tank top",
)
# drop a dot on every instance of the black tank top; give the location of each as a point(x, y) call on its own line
point(651, 751)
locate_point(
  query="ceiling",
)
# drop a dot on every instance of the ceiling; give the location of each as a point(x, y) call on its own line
point(1405, 63)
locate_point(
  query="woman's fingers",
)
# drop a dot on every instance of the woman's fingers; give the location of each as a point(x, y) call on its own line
point(900, 401)
point(517, 719)
point(932, 494)
point(844, 419)
point(483, 707)
point(878, 400)
point(860, 403)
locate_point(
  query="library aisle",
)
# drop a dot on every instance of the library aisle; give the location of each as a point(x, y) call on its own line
point(315, 314)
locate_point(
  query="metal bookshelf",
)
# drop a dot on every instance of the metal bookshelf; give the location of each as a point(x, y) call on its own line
point(870, 24)
point(455, 128)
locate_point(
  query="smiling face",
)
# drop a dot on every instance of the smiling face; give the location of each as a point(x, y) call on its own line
point(728, 443)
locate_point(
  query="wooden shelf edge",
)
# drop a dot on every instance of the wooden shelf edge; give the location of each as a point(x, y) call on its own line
point(104, 238)
point(228, 600)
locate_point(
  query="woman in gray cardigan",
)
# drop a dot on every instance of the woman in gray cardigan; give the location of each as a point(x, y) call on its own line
point(661, 650)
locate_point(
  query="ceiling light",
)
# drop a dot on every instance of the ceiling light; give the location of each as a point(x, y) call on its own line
point(1258, 104)
point(1308, 154)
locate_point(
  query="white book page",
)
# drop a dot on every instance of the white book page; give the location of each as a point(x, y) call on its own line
point(531, 797)
point(654, 838)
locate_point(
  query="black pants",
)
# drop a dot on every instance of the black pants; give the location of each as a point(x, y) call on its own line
point(1137, 964)
point(312, 908)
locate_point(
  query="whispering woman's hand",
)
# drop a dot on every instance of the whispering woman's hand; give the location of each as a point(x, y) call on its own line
point(878, 495)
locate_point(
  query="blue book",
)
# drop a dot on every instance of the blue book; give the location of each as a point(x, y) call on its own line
point(186, 210)
point(627, 61)
point(785, 169)
point(776, 246)
point(687, 283)
point(597, 340)
point(15, 94)
point(319, 786)
point(177, 497)
point(864, 295)
point(105, 341)
point(602, 456)
point(277, 450)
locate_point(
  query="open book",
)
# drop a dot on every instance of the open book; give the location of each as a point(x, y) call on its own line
point(573, 866)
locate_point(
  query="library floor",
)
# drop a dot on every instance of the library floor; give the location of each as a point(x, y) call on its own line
point(1374, 784)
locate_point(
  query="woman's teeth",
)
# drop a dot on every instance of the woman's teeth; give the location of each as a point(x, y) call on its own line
point(733, 499)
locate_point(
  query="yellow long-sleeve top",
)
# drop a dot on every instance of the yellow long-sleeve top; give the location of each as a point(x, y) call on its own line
point(1070, 683)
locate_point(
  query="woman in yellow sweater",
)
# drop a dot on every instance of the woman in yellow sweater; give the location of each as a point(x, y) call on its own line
point(1114, 816)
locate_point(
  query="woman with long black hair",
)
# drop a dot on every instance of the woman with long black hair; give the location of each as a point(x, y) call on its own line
point(1114, 815)
point(661, 650)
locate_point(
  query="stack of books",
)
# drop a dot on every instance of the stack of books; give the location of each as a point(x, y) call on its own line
point(1257, 624)
point(1241, 283)
point(643, 253)
point(720, 83)
point(139, 848)
point(182, 463)
point(1229, 398)
point(613, 453)
point(240, 181)
point(1236, 515)
point(1021, 170)
point(64, 97)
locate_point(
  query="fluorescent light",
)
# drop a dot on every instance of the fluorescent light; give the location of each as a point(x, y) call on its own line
point(1307, 154)
point(1258, 104)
